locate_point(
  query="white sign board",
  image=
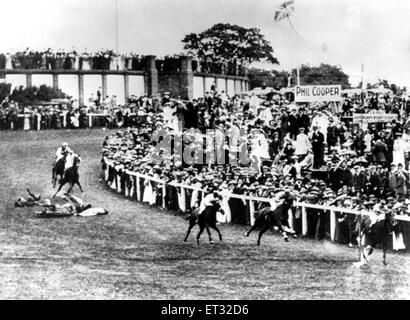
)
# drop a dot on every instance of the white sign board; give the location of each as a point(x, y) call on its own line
point(374, 117)
point(318, 93)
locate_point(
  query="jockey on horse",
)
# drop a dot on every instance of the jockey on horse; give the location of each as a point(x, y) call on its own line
point(374, 228)
point(209, 200)
point(61, 152)
point(66, 155)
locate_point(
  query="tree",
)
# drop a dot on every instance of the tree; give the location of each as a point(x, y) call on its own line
point(268, 78)
point(325, 74)
point(34, 95)
point(392, 86)
point(230, 44)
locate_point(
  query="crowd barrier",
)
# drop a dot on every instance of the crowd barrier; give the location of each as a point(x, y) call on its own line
point(132, 189)
point(34, 122)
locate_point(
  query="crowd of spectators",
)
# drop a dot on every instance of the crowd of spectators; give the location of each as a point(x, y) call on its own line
point(314, 150)
point(67, 114)
point(72, 60)
point(106, 60)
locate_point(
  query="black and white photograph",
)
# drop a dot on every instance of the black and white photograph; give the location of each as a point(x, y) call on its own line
point(205, 150)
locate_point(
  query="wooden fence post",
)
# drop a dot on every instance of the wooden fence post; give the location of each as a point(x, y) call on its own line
point(164, 191)
point(126, 188)
point(138, 188)
point(106, 171)
point(252, 212)
point(290, 219)
point(304, 221)
point(118, 183)
point(183, 199)
point(132, 189)
point(332, 225)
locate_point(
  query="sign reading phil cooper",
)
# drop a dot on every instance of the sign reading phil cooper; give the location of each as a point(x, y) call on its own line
point(318, 93)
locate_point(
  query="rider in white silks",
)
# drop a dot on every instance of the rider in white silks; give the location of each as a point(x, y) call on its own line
point(61, 151)
point(275, 202)
point(208, 201)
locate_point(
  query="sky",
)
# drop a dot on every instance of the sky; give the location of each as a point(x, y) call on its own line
point(343, 32)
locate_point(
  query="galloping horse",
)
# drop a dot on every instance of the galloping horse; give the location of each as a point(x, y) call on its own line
point(58, 170)
point(205, 220)
point(375, 234)
point(267, 219)
point(71, 176)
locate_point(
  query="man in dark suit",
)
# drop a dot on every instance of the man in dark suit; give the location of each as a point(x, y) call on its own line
point(358, 180)
point(347, 176)
point(317, 140)
point(304, 120)
point(335, 177)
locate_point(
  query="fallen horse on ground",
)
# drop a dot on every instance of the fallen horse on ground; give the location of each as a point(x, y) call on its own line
point(75, 206)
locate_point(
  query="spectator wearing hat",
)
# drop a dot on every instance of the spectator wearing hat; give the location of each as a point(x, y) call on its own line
point(346, 173)
point(332, 135)
point(358, 180)
point(335, 176)
point(401, 182)
point(379, 151)
point(304, 120)
point(318, 140)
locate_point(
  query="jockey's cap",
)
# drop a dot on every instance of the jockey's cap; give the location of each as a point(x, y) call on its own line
point(65, 144)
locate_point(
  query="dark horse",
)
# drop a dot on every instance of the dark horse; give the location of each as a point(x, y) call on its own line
point(375, 234)
point(58, 170)
point(205, 220)
point(267, 219)
point(71, 176)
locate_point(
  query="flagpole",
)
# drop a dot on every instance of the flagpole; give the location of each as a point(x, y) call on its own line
point(362, 82)
point(298, 75)
point(116, 26)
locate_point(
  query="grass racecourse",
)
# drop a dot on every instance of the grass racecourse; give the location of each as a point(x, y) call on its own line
point(137, 252)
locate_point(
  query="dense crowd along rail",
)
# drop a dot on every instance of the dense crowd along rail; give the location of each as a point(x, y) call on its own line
point(134, 191)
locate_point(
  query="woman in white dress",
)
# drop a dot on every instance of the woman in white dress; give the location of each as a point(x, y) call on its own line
point(9, 64)
point(259, 144)
point(150, 192)
point(398, 151)
point(113, 64)
point(86, 61)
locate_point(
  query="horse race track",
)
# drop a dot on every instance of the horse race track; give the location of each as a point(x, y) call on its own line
point(137, 253)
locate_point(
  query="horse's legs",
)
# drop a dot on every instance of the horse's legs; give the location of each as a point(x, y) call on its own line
point(191, 225)
point(217, 230)
point(78, 183)
point(53, 178)
point(265, 228)
point(250, 230)
point(71, 187)
point(59, 188)
point(366, 257)
point(384, 254)
point(282, 230)
point(201, 229)
point(209, 232)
